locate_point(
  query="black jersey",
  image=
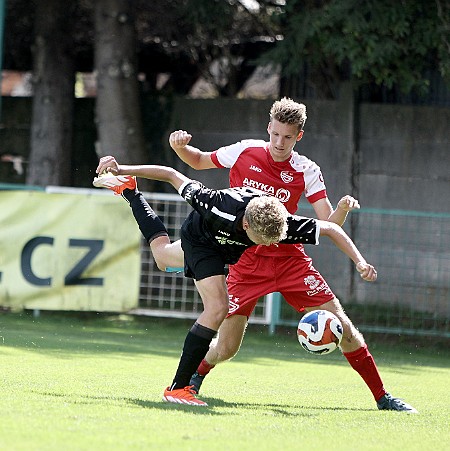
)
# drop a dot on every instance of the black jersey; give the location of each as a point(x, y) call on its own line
point(218, 214)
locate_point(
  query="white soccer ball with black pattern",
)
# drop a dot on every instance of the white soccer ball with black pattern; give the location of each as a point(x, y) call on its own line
point(319, 332)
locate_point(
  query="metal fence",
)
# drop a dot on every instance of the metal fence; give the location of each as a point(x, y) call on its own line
point(411, 251)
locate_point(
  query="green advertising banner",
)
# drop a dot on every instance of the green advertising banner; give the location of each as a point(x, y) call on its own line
point(68, 252)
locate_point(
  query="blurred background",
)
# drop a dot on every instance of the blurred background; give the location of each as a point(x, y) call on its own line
point(81, 79)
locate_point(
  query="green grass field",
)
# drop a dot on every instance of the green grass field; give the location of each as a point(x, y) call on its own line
point(94, 382)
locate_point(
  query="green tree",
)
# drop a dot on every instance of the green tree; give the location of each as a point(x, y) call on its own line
point(377, 42)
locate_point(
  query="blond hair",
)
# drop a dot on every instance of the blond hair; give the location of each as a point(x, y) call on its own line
point(267, 217)
point(287, 111)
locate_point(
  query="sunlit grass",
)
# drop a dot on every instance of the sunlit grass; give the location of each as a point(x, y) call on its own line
point(95, 383)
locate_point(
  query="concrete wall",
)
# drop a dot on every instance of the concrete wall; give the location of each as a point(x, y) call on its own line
point(403, 152)
point(405, 157)
point(389, 157)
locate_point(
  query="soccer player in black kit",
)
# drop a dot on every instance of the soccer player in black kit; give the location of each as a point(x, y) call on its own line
point(222, 225)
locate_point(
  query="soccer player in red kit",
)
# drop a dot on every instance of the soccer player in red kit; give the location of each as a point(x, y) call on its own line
point(275, 168)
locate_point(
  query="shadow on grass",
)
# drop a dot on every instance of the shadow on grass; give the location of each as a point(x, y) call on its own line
point(219, 403)
point(213, 403)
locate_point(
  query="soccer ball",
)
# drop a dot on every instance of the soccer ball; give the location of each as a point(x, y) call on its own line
point(319, 332)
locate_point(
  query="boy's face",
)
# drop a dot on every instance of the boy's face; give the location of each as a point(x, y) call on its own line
point(282, 139)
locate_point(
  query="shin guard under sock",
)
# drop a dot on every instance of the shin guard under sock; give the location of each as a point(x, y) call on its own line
point(195, 347)
point(148, 221)
point(362, 362)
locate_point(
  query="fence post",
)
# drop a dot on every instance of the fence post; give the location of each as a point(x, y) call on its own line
point(273, 310)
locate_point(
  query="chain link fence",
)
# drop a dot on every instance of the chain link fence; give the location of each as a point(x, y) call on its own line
point(411, 251)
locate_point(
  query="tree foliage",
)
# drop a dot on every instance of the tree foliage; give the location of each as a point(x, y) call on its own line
point(373, 41)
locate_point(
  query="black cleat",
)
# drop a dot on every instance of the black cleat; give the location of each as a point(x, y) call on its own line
point(388, 402)
point(196, 382)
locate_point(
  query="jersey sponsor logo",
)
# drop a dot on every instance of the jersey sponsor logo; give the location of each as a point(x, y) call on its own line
point(258, 185)
point(224, 241)
point(223, 233)
point(287, 176)
point(255, 168)
point(282, 193)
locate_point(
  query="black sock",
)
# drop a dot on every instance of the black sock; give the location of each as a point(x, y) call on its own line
point(196, 345)
point(149, 223)
point(129, 194)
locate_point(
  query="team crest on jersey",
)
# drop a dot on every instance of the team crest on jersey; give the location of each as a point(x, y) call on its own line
point(287, 176)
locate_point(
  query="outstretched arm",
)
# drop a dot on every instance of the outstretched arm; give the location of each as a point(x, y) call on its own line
point(346, 245)
point(195, 158)
point(152, 172)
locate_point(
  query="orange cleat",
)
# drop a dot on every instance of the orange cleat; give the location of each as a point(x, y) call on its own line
point(116, 183)
point(185, 395)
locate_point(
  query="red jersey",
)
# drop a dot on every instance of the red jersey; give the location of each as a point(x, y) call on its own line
point(252, 165)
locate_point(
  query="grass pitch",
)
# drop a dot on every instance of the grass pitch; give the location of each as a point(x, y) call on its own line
point(95, 383)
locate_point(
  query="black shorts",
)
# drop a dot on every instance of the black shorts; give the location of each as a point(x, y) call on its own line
point(202, 259)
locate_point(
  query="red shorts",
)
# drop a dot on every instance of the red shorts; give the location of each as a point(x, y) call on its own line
point(257, 275)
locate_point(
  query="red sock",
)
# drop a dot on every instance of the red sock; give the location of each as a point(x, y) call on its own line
point(362, 361)
point(204, 368)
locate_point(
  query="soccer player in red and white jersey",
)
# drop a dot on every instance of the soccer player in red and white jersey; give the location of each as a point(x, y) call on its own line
point(275, 168)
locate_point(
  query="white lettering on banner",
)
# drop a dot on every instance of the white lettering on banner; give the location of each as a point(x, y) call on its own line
point(73, 277)
point(58, 262)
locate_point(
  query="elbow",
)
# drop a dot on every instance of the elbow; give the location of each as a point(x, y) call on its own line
point(327, 228)
point(196, 164)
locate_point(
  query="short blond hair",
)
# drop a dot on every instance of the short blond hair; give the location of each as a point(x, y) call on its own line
point(287, 111)
point(267, 217)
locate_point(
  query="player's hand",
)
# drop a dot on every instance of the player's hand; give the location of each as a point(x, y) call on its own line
point(108, 164)
point(179, 139)
point(367, 271)
point(348, 203)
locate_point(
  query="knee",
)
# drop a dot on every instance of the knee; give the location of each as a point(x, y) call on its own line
point(221, 312)
point(216, 313)
point(160, 264)
point(351, 336)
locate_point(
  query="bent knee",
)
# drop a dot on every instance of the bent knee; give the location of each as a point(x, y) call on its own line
point(160, 265)
point(222, 312)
